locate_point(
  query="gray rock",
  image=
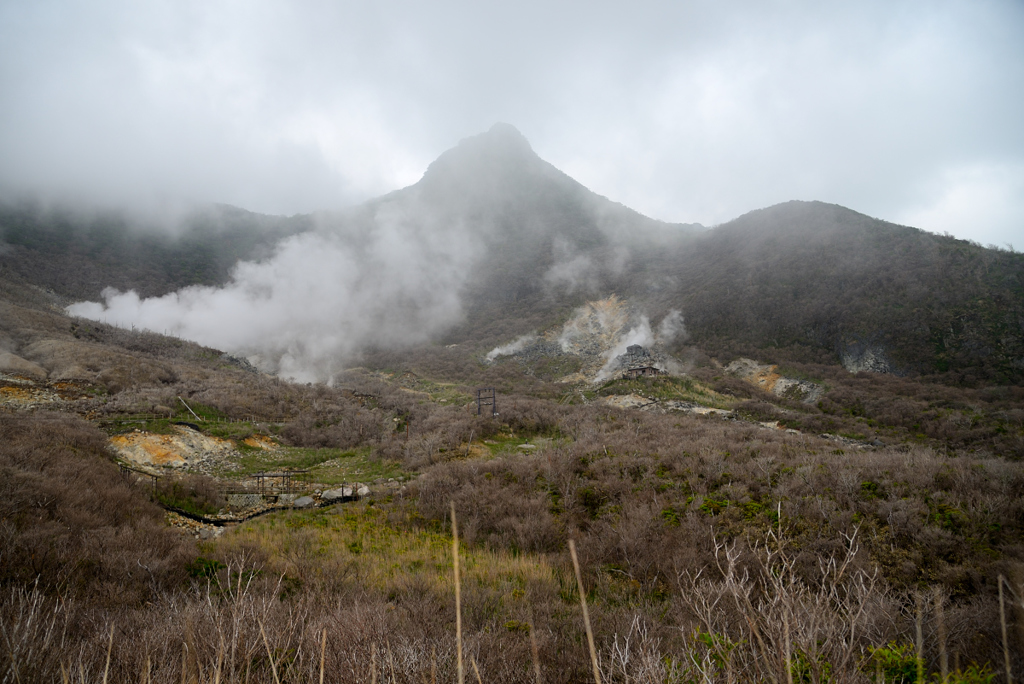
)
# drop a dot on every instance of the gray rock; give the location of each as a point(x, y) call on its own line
point(303, 502)
point(337, 494)
point(860, 356)
point(363, 490)
point(239, 363)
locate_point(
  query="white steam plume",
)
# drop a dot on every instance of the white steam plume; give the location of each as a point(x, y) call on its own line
point(320, 298)
point(639, 334)
point(571, 271)
point(671, 327)
point(511, 348)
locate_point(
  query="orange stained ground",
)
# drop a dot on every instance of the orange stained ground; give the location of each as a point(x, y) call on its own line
point(259, 442)
point(767, 378)
point(69, 390)
point(159, 448)
point(23, 394)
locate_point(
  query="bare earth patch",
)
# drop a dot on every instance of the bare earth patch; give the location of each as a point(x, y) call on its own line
point(260, 442)
point(635, 401)
point(767, 378)
point(25, 396)
point(186, 449)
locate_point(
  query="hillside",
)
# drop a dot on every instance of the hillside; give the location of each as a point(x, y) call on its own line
point(77, 254)
point(667, 486)
point(171, 513)
point(810, 281)
point(537, 242)
point(496, 243)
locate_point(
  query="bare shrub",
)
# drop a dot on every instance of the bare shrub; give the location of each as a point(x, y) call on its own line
point(71, 523)
point(193, 493)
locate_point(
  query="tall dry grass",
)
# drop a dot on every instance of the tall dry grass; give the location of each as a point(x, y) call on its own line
point(735, 625)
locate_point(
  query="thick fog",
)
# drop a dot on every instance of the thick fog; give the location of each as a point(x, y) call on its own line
point(685, 111)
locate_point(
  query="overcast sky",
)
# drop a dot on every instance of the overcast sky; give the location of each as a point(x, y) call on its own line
point(687, 111)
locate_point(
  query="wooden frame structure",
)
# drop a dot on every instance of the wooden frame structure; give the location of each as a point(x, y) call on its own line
point(486, 396)
point(127, 470)
point(285, 477)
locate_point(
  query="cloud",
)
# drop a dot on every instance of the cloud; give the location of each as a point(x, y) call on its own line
point(685, 111)
point(989, 197)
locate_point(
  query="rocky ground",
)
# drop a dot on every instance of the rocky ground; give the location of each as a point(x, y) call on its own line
point(596, 337)
point(641, 403)
point(185, 449)
point(25, 392)
point(193, 528)
point(767, 378)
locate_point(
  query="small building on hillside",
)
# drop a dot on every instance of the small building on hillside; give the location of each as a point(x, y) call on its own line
point(641, 372)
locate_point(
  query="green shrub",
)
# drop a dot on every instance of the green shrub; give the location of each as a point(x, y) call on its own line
point(897, 662)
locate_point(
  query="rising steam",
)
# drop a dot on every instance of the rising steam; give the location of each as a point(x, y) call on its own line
point(512, 347)
point(320, 298)
point(392, 272)
point(669, 330)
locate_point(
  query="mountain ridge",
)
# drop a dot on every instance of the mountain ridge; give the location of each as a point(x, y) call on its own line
point(802, 281)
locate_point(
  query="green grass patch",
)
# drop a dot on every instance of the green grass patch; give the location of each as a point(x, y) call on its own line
point(385, 550)
point(207, 413)
point(438, 392)
point(287, 458)
point(795, 374)
point(355, 466)
point(121, 425)
point(165, 426)
point(448, 394)
point(327, 466)
point(668, 389)
point(505, 443)
point(236, 431)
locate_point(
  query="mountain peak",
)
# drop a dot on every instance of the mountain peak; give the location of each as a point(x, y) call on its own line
point(503, 134)
point(499, 152)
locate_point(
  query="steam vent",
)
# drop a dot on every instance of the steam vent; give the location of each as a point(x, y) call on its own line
point(639, 363)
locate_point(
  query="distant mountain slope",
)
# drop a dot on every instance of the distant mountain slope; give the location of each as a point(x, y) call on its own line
point(826, 277)
point(77, 255)
point(542, 241)
point(499, 243)
point(814, 281)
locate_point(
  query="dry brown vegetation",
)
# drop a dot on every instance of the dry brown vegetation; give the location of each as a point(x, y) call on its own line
point(894, 409)
point(866, 545)
point(71, 525)
point(692, 573)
